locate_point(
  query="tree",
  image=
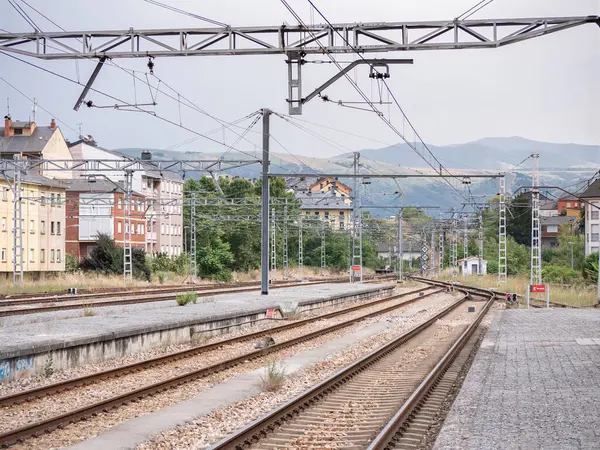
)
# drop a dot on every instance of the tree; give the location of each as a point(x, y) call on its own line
point(590, 268)
point(519, 220)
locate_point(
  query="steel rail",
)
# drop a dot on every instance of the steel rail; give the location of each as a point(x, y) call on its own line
point(148, 363)
point(51, 423)
point(251, 432)
point(385, 438)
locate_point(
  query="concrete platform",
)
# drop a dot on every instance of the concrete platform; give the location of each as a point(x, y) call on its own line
point(534, 384)
point(68, 342)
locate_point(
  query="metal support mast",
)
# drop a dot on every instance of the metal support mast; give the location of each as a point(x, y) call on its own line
point(536, 256)
point(193, 262)
point(127, 251)
point(480, 243)
point(264, 249)
point(441, 251)
point(17, 224)
point(454, 249)
point(273, 245)
point(285, 244)
point(300, 248)
point(399, 248)
point(432, 249)
point(502, 261)
point(356, 225)
point(323, 254)
point(424, 250)
point(465, 241)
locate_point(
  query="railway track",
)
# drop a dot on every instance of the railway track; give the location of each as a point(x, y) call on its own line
point(64, 303)
point(349, 408)
point(33, 429)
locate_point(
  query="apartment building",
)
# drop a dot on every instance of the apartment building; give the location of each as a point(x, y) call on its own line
point(592, 217)
point(42, 224)
point(98, 207)
point(30, 141)
point(163, 192)
point(334, 210)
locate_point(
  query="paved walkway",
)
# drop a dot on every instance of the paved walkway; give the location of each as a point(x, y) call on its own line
point(534, 384)
point(52, 328)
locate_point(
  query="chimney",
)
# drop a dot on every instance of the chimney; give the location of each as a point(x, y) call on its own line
point(146, 155)
point(52, 124)
point(7, 125)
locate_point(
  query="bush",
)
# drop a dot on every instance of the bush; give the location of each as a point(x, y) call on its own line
point(559, 274)
point(71, 263)
point(188, 297)
point(274, 377)
point(161, 277)
point(492, 267)
point(590, 268)
point(107, 258)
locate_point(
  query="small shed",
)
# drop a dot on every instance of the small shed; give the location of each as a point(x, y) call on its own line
point(470, 266)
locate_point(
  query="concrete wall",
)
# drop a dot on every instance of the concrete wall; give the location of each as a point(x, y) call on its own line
point(57, 149)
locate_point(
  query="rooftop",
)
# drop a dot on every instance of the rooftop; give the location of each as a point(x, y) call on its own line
point(34, 143)
point(593, 191)
point(557, 220)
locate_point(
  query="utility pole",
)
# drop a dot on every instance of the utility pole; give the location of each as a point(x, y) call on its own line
point(193, 262)
point(264, 249)
point(17, 223)
point(432, 249)
point(441, 250)
point(465, 242)
point(399, 248)
point(323, 255)
point(502, 261)
point(357, 224)
point(285, 243)
point(300, 248)
point(536, 256)
point(424, 250)
point(127, 251)
point(480, 241)
point(273, 244)
point(454, 249)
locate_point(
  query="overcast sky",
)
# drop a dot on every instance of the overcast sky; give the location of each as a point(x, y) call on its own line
point(544, 89)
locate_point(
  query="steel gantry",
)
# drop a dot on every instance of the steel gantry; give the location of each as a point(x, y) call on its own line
point(295, 42)
point(356, 261)
point(127, 207)
point(285, 243)
point(193, 247)
point(17, 222)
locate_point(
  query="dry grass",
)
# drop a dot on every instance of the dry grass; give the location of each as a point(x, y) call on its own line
point(88, 311)
point(188, 297)
point(274, 377)
point(577, 295)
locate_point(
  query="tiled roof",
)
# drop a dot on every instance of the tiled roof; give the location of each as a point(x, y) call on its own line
point(557, 220)
point(593, 191)
point(325, 200)
point(26, 144)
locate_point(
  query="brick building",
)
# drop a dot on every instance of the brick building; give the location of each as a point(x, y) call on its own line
point(98, 207)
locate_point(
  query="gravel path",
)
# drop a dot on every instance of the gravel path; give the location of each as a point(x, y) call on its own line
point(82, 430)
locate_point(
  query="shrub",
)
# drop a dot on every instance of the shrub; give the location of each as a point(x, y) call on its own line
point(161, 277)
point(188, 297)
point(274, 377)
point(71, 263)
point(559, 274)
point(590, 267)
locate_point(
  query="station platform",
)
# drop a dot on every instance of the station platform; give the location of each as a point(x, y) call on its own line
point(117, 331)
point(534, 384)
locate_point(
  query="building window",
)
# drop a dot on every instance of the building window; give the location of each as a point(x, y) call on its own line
point(32, 226)
point(119, 227)
point(31, 255)
point(3, 224)
point(31, 202)
point(52, 199)
point(51, 227)
point(57, 227)
point(43, 227)
point(3, 255)
point(142, 226)
point(4, 194)
point(58, 252)
point(51, 255)
point(552, 228)
point(120, 203)
point(59, 200)
point(568, 204)
point(595, 214)
point(43, 255)
point(43, 200)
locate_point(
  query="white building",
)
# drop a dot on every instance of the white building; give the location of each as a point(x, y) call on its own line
point(470, 266)
point(592, 217)
point(163, 192)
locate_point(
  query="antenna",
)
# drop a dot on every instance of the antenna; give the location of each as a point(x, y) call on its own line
point(8, 106)
point(34, 108)
point(80, 125)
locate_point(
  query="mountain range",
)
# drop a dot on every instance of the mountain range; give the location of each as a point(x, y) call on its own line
point(559, 164)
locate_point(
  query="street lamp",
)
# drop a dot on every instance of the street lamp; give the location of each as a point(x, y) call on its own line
point(571, 245)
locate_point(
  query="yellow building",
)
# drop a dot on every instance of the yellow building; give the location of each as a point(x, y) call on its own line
point(43, 226)
point(335, 211)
